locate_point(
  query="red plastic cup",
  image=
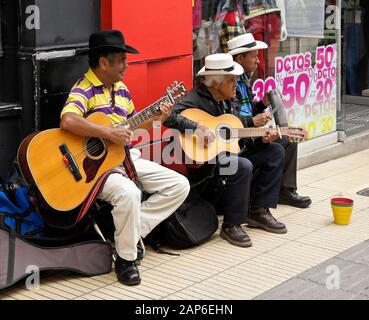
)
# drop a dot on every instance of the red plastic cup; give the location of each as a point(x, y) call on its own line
point(342, 210)
point(342, 202)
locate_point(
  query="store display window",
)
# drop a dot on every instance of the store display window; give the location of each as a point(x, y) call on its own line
point(301, 58)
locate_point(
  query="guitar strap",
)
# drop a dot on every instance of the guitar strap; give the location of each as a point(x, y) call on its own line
point(127, 163)
point(131, 173)
point(129, 166)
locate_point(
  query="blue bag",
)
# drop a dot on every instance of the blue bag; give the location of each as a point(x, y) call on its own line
point(16, 212)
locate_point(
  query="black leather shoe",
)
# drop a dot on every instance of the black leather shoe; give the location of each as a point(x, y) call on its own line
point(291, 198)
point(127, 272)
point(235, 235)
point(263, 219)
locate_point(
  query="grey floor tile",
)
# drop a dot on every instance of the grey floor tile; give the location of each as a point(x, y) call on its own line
point(358, 254)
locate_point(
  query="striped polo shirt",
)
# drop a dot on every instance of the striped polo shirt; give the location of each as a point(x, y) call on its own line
point(90, 95)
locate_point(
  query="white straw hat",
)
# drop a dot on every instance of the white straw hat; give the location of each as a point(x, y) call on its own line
point(244, 43)
point(220, 63)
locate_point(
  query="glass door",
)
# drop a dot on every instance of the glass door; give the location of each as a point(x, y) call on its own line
point(356, 51)
point(355, 66)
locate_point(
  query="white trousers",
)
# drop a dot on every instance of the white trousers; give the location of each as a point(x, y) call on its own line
point(133, 219)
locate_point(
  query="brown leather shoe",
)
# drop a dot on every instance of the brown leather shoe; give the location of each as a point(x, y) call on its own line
point(263, 219)
point(235, 235)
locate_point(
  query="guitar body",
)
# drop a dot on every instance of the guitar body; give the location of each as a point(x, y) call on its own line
point(42, 162)
point(220, 126)
point(228, 130)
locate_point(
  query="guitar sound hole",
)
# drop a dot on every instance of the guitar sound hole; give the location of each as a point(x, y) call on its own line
point(95, 148)
point(225, 133)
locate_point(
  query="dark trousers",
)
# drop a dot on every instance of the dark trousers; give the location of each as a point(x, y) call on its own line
point(227, 187)
point(267, 159)
point(289, 179)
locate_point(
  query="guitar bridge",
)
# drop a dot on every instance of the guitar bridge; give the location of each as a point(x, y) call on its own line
point(70, 162)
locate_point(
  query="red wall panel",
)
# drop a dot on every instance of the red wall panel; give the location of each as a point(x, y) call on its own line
point(158, 29)
point(136, 80)
point(163, 73)
point(162, 32)
point(106, 14)
point(148, 81)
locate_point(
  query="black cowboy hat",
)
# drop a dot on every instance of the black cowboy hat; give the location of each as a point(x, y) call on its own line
point(108, 40)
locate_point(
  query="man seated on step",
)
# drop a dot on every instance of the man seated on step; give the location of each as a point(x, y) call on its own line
point(213, 95)
point(244, 49)
point(101, 90)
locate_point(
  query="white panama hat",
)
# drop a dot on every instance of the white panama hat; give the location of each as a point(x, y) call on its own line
point(244, 43)
point(220, 63)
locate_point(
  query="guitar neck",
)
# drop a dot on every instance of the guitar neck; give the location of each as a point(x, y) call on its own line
point(145, 114)
point(254, 132)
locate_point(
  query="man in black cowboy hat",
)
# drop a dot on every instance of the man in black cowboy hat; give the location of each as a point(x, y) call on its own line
point(232, 174)
point(101, 90)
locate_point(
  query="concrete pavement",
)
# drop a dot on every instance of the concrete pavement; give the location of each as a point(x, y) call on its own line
point(287, 266)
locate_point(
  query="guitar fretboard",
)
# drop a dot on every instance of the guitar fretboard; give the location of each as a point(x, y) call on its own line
point(254, 132)
point(145, 114)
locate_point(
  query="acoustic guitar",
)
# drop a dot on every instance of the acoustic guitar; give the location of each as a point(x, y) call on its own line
point(228, 130)
point(65, 167)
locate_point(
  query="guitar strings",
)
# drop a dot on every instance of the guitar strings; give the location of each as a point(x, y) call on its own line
point(95, 145)
point(151, 110)
point(174, 93)
point(91, 147)
point(133, 122)
point(286, 131)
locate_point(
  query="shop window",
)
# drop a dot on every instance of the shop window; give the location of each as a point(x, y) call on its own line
point(301, 59)
point(356, 44)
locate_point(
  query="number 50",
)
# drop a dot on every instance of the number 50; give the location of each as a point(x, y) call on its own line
point(295, 90)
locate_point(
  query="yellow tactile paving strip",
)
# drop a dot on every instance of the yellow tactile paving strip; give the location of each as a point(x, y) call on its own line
point(217, 270)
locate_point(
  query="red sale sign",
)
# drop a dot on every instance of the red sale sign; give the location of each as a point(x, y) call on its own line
point(308, 87)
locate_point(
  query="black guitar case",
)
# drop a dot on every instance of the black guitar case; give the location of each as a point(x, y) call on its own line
point(90, 258)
